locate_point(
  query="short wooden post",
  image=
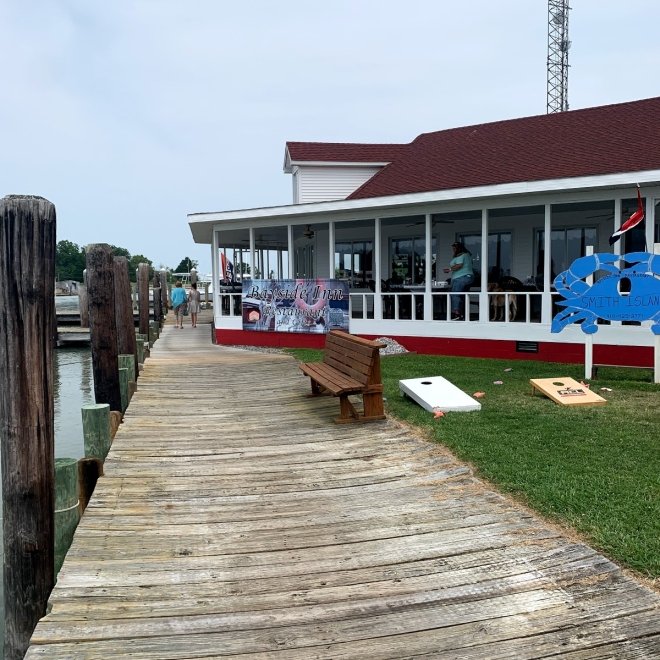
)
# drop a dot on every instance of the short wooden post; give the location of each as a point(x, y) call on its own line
point(67, 511)
point(140, 351)
point(143, 296)
point(123, 388)
point(128, 362)
point(153, 333)
point(124, 311)
point(27, 427)
point(102, 324)
point(115, 422)
point(89, 471)
point(83, 306)
point(96, 430)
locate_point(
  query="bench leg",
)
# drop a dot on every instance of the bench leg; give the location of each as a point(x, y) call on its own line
point(347, 411)
point(373, 406)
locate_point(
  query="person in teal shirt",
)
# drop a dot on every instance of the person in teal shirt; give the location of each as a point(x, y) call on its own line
point(462, 276)
point(178, 298)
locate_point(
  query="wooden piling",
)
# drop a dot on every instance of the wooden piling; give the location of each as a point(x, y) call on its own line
point(89, 471)
point(140, 351)
point(83, 306)
point(102, 324)
point(124, 311)
point(164, 302)
point(154, 329)
point(115, 421)
point(96, 430)
point(143, 297)
point(67, 511)
point(123, 388)
point(27, 428)
point(128, 362)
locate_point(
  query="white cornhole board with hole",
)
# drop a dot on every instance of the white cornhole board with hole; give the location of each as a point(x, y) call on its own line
point(437, 393)
point(566, 391)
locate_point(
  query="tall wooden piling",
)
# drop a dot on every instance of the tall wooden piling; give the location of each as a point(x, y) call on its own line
point(126, 344)
point(27, 427)
point(143, 297)
point(83, 306)
point(164, 302)
point(102, 324)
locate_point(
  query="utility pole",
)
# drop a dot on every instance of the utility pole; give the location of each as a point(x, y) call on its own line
point(558, 46)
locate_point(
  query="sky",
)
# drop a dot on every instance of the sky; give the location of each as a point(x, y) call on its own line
point(130, 114)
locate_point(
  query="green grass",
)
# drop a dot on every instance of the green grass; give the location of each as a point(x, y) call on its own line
point(593, 468)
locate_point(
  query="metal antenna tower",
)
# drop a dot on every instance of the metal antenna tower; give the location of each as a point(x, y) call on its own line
point(558, 45)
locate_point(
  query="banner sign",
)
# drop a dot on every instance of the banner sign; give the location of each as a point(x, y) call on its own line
point(318, 305)
point(629, 292)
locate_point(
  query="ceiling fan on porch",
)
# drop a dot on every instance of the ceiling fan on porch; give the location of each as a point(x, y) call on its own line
point(309, 232)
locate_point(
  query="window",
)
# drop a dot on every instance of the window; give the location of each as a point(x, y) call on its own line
point(566, 245)
point(499, 253)
point(408, 260)
point(354, 262)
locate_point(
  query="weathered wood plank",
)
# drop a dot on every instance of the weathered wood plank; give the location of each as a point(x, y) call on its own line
point(240, 521)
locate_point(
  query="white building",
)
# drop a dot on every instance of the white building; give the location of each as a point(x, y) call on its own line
point(526, 196)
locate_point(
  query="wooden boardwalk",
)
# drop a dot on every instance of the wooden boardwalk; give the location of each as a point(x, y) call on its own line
point(235, 519)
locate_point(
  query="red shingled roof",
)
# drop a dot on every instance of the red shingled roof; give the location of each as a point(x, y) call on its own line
point(604, 140)
point(344, 152)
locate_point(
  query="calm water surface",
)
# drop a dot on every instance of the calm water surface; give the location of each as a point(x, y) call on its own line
point(74, 388)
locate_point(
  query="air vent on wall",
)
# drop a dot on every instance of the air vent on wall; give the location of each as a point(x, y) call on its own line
point(527, 347)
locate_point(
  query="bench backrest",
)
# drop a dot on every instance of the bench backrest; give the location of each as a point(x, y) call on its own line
point(354, 356)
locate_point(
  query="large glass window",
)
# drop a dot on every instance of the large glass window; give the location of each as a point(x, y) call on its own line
point(499, 253)
point(408, 260)
point(354, 262)
point(566, 245)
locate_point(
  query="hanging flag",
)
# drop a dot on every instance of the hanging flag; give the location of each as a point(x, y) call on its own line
point(226, 268)
point(632, 221)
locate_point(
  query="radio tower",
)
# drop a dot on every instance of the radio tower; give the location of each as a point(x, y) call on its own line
point(558, 45)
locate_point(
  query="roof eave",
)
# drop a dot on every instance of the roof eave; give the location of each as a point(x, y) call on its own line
point(201, 224)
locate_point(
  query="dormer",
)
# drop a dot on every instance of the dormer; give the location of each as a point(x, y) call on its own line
point(324, 171)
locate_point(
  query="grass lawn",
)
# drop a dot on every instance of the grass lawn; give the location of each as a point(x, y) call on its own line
point(594, 468)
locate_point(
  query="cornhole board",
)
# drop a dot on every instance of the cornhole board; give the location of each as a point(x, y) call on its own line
point(566, 391)
point(437, 393)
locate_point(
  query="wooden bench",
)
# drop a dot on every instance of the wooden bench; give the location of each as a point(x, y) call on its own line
point(351, 365)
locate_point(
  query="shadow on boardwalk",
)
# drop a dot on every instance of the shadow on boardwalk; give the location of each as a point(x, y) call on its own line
point(235, 518)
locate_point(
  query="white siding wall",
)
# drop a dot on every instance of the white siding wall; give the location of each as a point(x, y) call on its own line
point(320, 184)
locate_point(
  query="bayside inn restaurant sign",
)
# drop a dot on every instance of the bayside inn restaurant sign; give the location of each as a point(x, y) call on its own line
point(302, 305)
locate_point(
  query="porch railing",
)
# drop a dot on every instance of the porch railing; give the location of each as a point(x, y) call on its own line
point(503, 306)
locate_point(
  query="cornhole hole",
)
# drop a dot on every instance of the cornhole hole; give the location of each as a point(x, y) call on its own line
point(437, 393)
point(566, 391)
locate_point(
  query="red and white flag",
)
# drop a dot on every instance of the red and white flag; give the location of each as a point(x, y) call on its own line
point(226, 268)
point(632, 221)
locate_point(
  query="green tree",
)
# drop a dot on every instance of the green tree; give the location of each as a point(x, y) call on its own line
point(120, 252)
point(135, 261)
point(186, 265)
point(69, 261)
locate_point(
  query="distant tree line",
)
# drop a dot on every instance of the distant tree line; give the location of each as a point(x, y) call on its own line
point(70, 262)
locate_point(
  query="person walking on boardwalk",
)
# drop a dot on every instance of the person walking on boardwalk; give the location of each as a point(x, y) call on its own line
point(179, 300)
point(194, 304)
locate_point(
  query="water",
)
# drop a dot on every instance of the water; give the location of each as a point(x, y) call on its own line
point(73, 386)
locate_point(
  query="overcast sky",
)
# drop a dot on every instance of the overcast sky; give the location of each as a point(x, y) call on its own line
point(128, 115)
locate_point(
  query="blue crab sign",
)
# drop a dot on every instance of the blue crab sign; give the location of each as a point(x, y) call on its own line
point(627, 293)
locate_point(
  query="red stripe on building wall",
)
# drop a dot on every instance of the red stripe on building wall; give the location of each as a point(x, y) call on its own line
point(634, 356)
